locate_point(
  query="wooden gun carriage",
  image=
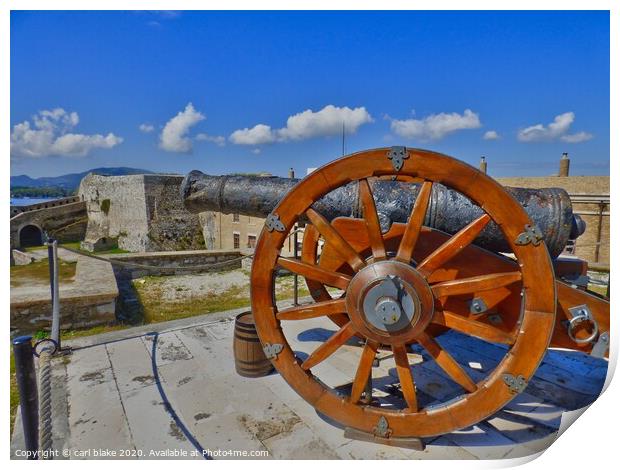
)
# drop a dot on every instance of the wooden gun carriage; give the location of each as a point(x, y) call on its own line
point(401, 245)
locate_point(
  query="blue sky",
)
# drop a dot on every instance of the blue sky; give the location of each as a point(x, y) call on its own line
point(535, 84)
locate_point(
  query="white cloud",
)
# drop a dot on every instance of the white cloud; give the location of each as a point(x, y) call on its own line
point(173, 137)
point(490, 135)
point(327, 121)
point(305, 125)
point(257, 135)
point(558, 129)
point(577, 137)
point(256, 151)
point(435, 126)
point(49, 134)
point(216, 139)
point(146, 128)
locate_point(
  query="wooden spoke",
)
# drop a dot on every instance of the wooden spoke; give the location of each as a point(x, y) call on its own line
point(319, 309)
point(472, 327)
point(332, 237)
point(329, 347)
point(405, 376)
point(372, 221)
point(469, 285)
point(364, 370)
point(453, 246)
point(316, 273)
point(414, 225)
point(447, 362)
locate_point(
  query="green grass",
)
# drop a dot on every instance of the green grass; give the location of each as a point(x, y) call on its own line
point(39, 273)
point(157, 309)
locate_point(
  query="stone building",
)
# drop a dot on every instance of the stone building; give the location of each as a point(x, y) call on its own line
point(138, 213)
point(236, 232)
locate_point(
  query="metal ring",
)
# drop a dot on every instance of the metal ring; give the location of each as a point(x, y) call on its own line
point(42, 341)
point(575, 321)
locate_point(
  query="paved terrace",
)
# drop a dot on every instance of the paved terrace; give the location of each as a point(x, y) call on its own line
point(114, 393)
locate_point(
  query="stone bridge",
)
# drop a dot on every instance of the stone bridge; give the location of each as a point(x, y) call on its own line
point(64, 219)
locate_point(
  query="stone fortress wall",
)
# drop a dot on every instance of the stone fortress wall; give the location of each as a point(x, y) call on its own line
point(139, 213)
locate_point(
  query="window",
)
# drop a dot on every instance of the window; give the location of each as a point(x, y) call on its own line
point(236, 241)
point(251, 241)
point(235, 217)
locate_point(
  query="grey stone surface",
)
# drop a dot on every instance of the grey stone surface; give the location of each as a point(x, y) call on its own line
point(115, 401)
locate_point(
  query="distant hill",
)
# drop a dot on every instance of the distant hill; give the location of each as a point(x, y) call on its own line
point(71, 181)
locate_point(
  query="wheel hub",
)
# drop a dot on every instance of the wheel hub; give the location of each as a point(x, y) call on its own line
point(389, 301)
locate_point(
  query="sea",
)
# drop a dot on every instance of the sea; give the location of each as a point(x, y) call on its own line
point(26, 201)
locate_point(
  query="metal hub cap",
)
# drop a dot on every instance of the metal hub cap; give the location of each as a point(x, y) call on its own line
point(388, 306)
point(389, 301)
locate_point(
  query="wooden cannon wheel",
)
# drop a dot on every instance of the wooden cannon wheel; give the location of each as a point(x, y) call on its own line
point(390, 300)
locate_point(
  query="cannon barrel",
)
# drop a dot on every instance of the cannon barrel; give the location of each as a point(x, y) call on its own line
point(448, 210)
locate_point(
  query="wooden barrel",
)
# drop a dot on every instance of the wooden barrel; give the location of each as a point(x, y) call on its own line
point(250, 360)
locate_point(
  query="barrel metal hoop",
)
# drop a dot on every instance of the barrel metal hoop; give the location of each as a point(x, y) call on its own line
point(398, 155)
point(273, 222)
point(272, 350)
point(532, 234)
point(515, 384)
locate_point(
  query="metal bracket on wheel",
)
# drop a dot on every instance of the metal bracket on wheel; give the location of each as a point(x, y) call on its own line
point(398, 155)
point(272, 350)
point(273, 223)
point(532, 234)
point(515, 384)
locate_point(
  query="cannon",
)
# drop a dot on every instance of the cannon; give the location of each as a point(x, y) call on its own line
point(401, 246)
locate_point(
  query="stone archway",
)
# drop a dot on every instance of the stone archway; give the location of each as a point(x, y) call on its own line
point(30, 235)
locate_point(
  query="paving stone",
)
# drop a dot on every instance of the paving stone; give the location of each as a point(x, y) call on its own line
point(547, 414)
point(439, 449)
point(221, 329)
point(170, 349)
point(533, 447)
point(226, 433)
point(299, 443)
point(520, 428)
point(96, 415)
point(322, 426)
point(362, 450)
point(153, 430)
point(482, 441)
point(131, 363)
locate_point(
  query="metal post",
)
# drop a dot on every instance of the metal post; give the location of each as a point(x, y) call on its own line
point(27, 384)
point(599, 230)
point(55, 292)
point(50, 258)
point(295, 281)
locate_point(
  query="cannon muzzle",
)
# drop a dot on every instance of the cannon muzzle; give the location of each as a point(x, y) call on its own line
point(448, 210)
